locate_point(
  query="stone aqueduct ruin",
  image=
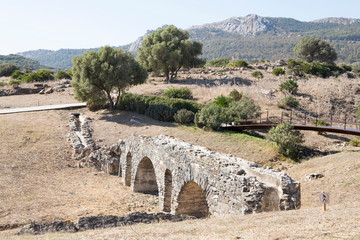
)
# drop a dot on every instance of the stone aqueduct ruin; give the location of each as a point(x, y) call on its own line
point(188, 179)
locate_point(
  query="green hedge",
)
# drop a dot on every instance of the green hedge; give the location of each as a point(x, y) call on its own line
point(141, 104)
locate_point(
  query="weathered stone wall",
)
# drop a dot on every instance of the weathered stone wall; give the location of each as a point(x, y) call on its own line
point(194, 180)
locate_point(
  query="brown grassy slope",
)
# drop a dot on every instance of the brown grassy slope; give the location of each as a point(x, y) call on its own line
point(37, 181)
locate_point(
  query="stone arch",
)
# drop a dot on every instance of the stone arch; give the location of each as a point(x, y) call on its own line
point(145, 178)
point(192, 201)
point(128, 165)
point(168, 190)
point(270, 200)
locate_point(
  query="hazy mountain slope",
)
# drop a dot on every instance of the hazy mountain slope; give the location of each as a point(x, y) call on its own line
point(20, 61)
point(250, 37)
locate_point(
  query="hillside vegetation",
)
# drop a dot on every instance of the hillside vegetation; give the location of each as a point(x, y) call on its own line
point(20, 61)
point(250, 38)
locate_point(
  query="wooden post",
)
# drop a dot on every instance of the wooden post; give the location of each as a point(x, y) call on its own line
point(305, 118)
point(290, 116)
point(267, 116)
point(260, 118)
point(345, 122)
point(324, 207)
point(331, 119)
point(282, 113)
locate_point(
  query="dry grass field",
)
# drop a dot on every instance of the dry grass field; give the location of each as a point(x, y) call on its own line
point(39, 180)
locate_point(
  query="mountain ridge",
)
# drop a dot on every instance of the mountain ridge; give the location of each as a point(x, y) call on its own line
point(249, 38)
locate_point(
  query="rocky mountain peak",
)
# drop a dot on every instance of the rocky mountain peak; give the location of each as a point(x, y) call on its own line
point(246, 26)
point(342, 21)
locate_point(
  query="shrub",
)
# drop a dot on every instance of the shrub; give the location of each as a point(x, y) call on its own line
point(139, 103)
point(358, 114)
point(356, 68)
point(289, 86)
point(293, 63)
point(287, 140)
point(211, 116)
point(12, 82)
point(345, 67)
point(63, 75)
point(219, 62)
point(278, 71)
point(222, 101)
point(238, 63)
point(354, 142)
point(6, 69)
point(2, 84)
point(289, 101)
point(235, 94)
point(184, 116)
point(183, 93)
point(243, 109)
point(39, 76)
point(160, 112)
point(318, 69)
point(257, 74)
point(321, 123)
point(17, 75)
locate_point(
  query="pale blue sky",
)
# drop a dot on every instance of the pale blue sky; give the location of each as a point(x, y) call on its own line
point(46, 24)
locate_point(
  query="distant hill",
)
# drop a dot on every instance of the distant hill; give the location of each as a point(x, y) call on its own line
point(21, 61)
point(250, 38)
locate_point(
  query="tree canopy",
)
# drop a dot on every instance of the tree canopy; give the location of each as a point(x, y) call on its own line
point(314, 49)
point(102, 76)
point(167, 50)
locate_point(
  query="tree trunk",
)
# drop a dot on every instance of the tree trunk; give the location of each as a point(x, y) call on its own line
point(111, 102)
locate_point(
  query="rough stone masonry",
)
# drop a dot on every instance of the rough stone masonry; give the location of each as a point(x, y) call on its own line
point(188, 179)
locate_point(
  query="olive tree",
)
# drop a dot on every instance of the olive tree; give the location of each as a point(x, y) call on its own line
point(167, 50)
point(101, 77)
point(313, 49)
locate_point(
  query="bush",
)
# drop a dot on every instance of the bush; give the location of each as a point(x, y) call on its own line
point(12, 82)
point(287, 140)
point(219, 62)
point(235, 94)
point(211, 116)
point(358, 114)
point(139, 103)
point(222, 101)
point(356, 67)
point(318, 69)
point(278, 71)
point(160, 112)
point(243, 109)
point(2, 84)
point(238, 63)
point(63, 75)
point(184, 116)
point(6, 69)
point(183, 93)
point(321, 123)
point(345, 67)
point(38, 76)
point(289, 86)
point(354, 142)
point(17, 75)
point(257, 74)
point(289, 101)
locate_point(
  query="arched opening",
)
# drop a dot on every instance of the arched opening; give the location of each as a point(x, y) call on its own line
point(168, 190)
point(145, 179)
point(270, 201)
point(192, 201)
point(128, 169)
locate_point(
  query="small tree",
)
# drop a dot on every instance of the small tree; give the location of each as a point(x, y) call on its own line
point(100, 74)
point(63, 75)
point(287, 139)
point(313, 49)
point(289, 86)
point(167, 50)
point(6, 69)
point(245, 108)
